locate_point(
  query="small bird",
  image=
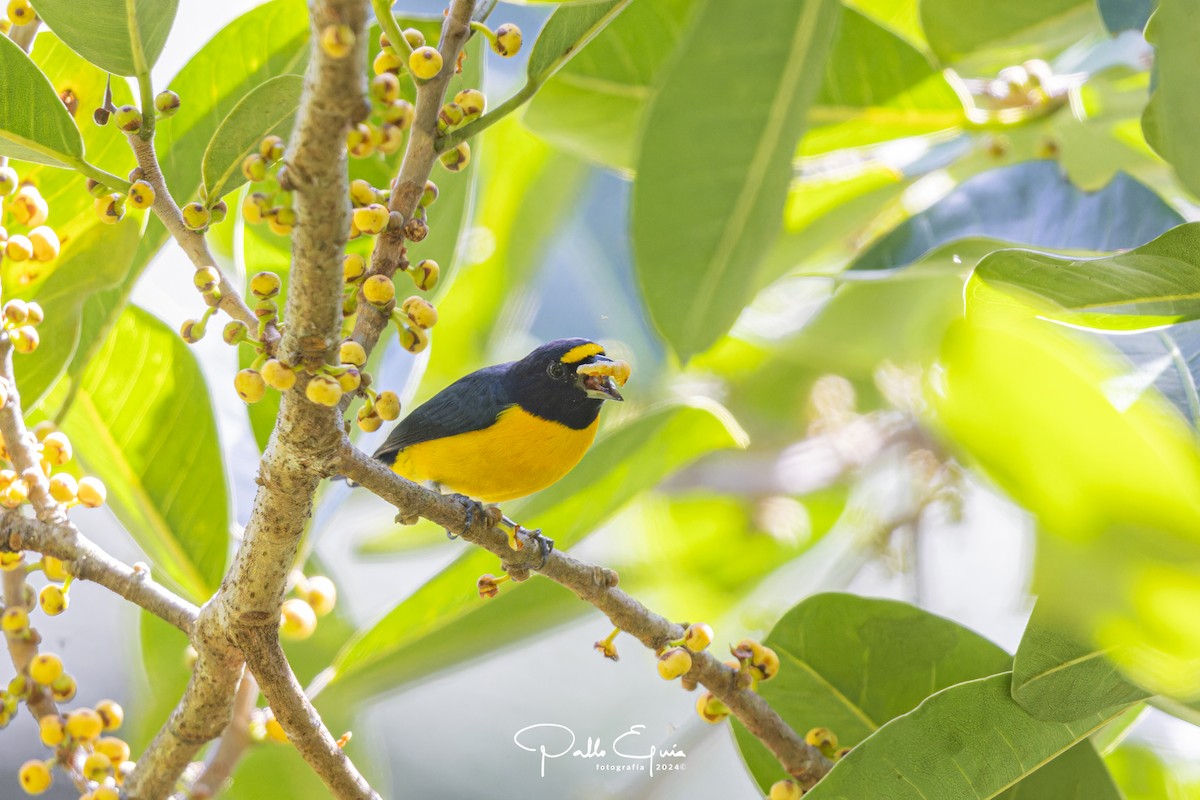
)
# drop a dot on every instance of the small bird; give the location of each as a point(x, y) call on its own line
point(508, 430)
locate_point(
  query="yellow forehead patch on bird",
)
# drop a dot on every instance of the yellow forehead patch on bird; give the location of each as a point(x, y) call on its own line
point(580, 352)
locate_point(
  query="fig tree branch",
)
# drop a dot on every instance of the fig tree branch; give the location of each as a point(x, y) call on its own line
point(596, 585)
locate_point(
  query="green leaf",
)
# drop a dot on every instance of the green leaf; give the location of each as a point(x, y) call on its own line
point(143, 423)
point(850, 664)
point(1123, 15)
point(1172, 116)
point(972, 740)
point(1172, 358)
point(1032, 203)
point(705, 209)
point(1056, 677)
point(269, 109)
point(1110, 471)
point(124, 37)
point(1150, 286)
point(34, 123)
point(593, 106)
point(1142, 774)
point(957, 29)
point(877, 87)
point(446, 618)
point(567, 30)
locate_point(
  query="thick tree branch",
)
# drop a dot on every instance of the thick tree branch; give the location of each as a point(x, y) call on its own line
point(597, 585)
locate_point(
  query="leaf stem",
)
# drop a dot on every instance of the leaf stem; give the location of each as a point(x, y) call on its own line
point(100, 176)
point(383, 13)
point(490, 118)
point(146, 89)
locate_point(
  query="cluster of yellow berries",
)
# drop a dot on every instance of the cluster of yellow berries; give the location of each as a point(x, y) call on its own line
point(98, 761)
point(54, 451)
point(752, 663)
point(413, 317)
point(20, 321)
point(25, 238)
point(20, 12)
point(110, 204)
point(269, 202)
point(315, 597)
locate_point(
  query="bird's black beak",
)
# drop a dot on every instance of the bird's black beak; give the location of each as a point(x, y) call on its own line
point(599, 387)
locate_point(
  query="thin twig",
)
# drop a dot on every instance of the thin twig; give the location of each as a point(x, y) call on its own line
point(596, 585)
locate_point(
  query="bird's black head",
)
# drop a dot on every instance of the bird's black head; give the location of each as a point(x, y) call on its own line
point(546, 383)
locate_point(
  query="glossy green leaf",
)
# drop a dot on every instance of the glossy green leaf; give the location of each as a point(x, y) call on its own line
point(124, 37)
point(706, 208)
point(1150, 286)
point(901, 16)
point(1057, 677)
point(1171, 357)
point(972, 740)
point(1123, 15)
point(569, 29)
point(1032, 203)
point(1110, 471)
point(142, 422)
point(593, 106)
point(446, 612)
point(850, 664)
point(34, 123)
point(958, 28)
point(269, 109)
point(1172, 116)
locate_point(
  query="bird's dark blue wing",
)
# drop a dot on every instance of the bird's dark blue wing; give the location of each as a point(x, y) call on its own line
point(471, 403)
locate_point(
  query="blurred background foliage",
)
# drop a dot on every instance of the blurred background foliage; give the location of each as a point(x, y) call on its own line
point(836, 241)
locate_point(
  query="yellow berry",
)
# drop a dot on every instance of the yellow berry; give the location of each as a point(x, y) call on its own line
point(321, 594)
point(508, 40)
point(84, 724)
point(414, 340)
point(16, 311)
point(362, 193)
point(52, 729)
point(52, 568)
point(45, 667)
point(385, 87)
point(350, 379)
point(8, 181)
point(25, 339)
point(128, 119)
point(369, 421)
point(28, 207)
point(250, 385)
point(387, 405)
point(386, 61)
point(425, 274)
point(45, 243)
point(710, 709)
point(254, 207)
point(63, 689)
point(673, 663)
point(92, 492)
point(34, 775)
point(281, 220)
point(324, 391)
point(351, 352)
point(254, 167)
point(97, 767)
point(371, 219)
point(166, 103)
point(449, 116)
point(141, 195)
point(698, 637)
point(192, 330)
point(111, 714)
point(56, 448)
point(297, 619)
point(111, 208)
point(399, 113)
point(15, 494)
point(265, 285)
point(414, 38)
point(353, 267)
point(420, 312)
point(278, 375)
point(196, 217)
point(337, 40)
point(430, 195)
point(116, 749)
point(15, 619)
point(18, 248)
point(425, 62)
point(53, 601)
point(785, 790)
point(64, 487)
point(379, 290)
point(206, 279)
point(271, 148)
point(472, 102)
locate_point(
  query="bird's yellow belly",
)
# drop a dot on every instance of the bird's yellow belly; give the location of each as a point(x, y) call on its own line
point(518, 455)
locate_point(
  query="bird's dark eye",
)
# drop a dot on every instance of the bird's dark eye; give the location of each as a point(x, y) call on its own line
point(556, 370)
